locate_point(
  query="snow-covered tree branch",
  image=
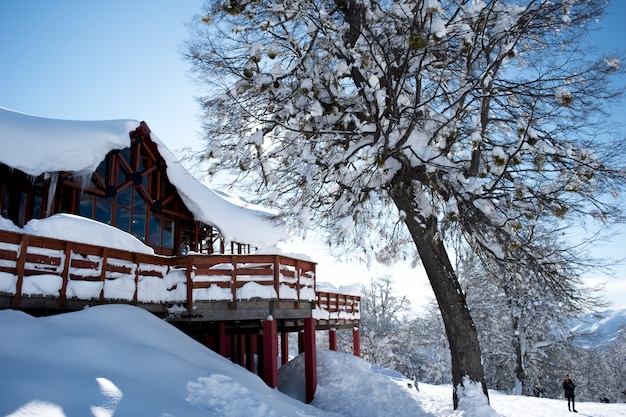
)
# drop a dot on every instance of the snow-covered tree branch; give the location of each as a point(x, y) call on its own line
point(389, 124)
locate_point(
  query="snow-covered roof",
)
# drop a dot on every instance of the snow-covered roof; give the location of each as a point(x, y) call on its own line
point(37, 145)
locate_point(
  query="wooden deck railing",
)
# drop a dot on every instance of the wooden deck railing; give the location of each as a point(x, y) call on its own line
point(338, 303)
point(44, 266)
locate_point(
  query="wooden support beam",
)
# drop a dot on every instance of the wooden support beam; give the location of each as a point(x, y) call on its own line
point(251, 350)
point(310, 359)
point(221, 339)
point(356, 341)
point(284, 348)
point(260, 354)
point(20, 262)
point(65, 274)
point(277, 280)
point(241, 352)
point(188, 273)
point(270, 353)
point(300, 342)
point(332, 339)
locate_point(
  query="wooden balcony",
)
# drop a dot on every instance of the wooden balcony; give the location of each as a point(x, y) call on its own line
point(48, 275)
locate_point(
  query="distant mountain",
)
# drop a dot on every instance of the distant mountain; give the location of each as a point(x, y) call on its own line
point(598, 329)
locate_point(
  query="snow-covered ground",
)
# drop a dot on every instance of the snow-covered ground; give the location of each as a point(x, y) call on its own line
point(118, 360)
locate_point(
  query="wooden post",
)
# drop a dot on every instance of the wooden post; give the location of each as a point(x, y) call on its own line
point(277, 280)
point(221, 338)
point(356, 341)
point(137, 260)
point(310, 360)
point(251, 350)
point(300, 342)
point(234, 348)
point(65, 274)
point(103, 272)
point(233, 283)
point(284, 348)
point(332, 339)
point(19, 263)
point(260, 354)
point(241, 353)
point(270, 353)
point(189, 271)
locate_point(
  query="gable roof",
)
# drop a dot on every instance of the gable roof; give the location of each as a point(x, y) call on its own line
point(37, 146)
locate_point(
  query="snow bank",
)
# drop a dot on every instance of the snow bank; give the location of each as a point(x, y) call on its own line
point(118, 360)
point(348, 385)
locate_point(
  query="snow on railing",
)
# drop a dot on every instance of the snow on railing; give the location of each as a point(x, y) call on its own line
point(38, 266)
point(335, 306)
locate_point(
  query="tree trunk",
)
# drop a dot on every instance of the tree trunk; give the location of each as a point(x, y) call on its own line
point(462, 336)
point(520, 373)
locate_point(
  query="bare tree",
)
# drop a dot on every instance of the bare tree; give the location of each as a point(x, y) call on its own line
point(522, 311)
point(381, 322)
point(389, 124)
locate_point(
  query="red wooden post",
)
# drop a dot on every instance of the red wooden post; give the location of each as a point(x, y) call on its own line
point(260, 356)
point(189, 271)
point(284, 348)
point(270, 353)
point(251, 350)
point(20, 262)
point(241, 353)
point(298, 274)
point(233, 284)
point(356, 341)
point(103, 272)
point(300, 342)
point(65, 274)
point(310, 360)
point(221, 339)
point(277, 280)
point(234, 348)
point(332, 339)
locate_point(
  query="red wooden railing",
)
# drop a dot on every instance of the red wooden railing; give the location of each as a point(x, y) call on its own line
point(88, 272)
point(338, 303)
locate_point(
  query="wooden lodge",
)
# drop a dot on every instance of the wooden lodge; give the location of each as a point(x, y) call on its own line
point(198, 272)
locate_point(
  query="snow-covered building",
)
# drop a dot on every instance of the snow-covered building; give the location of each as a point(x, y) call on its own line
point(102, 212)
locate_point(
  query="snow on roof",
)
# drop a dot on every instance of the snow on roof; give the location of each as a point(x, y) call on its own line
point(237, 220)
point(37, 145)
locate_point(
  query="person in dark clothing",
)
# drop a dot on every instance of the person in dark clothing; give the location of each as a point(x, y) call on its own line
point(568, 387)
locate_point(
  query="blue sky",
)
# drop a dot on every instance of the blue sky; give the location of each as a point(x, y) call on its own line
point(121, 59)
point(97, 60)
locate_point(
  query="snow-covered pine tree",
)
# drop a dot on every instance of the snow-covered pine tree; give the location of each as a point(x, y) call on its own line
point(386, 123)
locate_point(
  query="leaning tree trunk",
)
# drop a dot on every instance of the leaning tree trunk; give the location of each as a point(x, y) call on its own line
point(460, 330)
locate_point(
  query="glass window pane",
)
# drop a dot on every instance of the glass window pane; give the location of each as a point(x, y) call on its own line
point(138, 202)
point(168, 233)
point(122, 219)
point(155, 231)
point(138, 226)
point(122, 176)
point(37, 209)
point(103, 210)
point(124, 197)
point(86, 206)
